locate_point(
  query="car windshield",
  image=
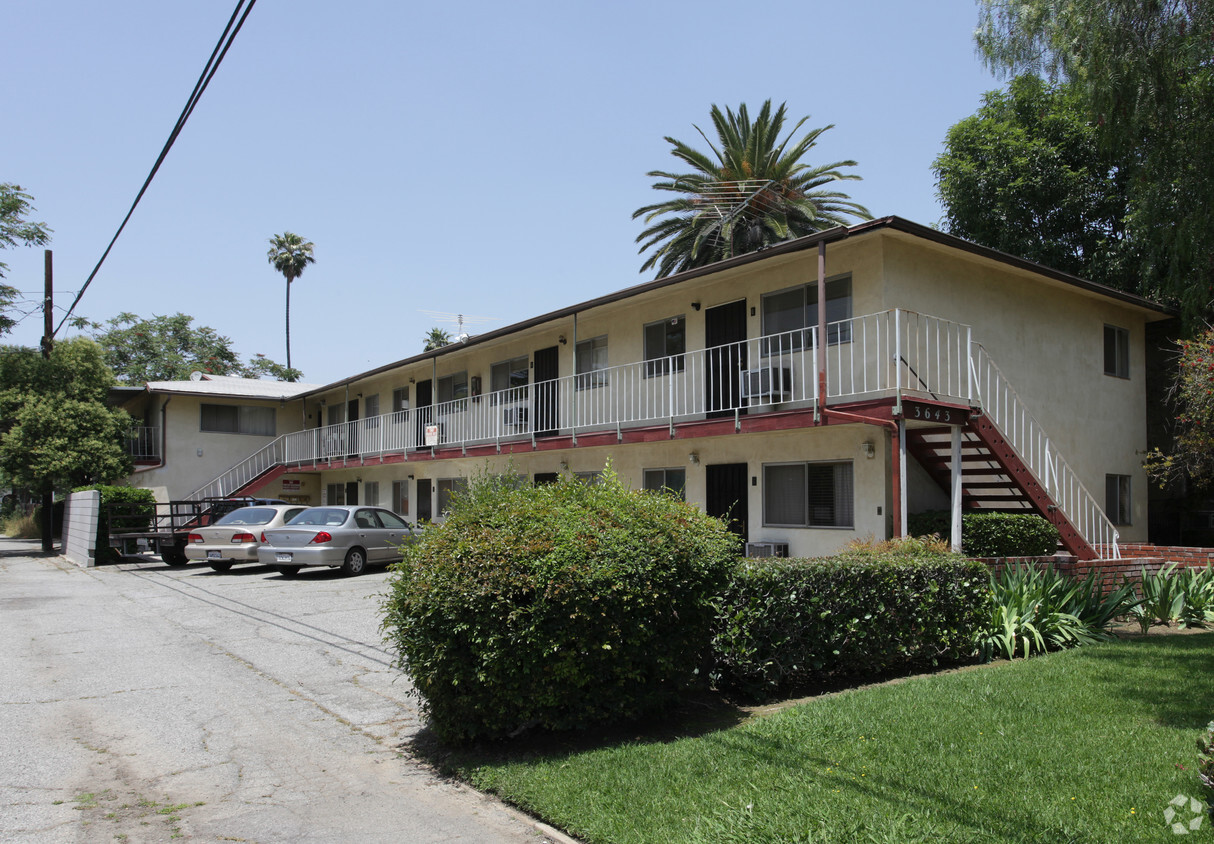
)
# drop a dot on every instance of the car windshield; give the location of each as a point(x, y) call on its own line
point(249, 516)
point(328, 516)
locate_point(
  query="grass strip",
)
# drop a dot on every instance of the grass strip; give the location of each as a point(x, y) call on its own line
point(1087, 745)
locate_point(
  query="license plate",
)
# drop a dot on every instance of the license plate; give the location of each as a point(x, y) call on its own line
point(212, 555)
point(282, 558)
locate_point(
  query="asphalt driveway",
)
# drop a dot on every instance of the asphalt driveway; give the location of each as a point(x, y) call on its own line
point(143, 703)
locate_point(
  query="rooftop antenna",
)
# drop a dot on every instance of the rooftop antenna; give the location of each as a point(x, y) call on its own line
point(458, 320)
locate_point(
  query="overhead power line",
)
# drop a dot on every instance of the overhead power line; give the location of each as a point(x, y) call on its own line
point(208, 72)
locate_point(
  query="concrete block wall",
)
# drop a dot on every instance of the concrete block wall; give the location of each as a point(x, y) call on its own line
point(80, 527)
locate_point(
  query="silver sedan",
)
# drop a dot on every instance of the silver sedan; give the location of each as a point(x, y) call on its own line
point(348, 536)
point(236, 536)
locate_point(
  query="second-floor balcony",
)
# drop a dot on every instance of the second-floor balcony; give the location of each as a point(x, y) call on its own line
point(143, 443)
point(891, 353)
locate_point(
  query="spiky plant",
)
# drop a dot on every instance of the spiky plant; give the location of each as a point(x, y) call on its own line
point(751, 191)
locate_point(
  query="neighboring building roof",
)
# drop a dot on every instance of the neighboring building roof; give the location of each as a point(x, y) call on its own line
point(230, 386)
point(838, 233)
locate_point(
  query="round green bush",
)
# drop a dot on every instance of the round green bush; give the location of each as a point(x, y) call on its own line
point(558, 606)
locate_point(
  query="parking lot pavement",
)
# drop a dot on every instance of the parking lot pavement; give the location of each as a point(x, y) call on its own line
point(143, 703)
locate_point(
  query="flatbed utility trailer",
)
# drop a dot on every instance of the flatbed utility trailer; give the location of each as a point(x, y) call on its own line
point(164, 528)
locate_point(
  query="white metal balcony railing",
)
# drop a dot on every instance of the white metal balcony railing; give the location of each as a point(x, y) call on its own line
point(143, 443)
point(1009, 414)
point(892, 353)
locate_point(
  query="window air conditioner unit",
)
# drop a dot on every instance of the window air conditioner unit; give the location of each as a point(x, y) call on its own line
point(770, 383)
point(766, 549)
point(515, 416)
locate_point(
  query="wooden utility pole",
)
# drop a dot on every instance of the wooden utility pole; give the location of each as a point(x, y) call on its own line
point(48, 496)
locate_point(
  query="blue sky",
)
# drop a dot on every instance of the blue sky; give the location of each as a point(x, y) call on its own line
point(482, 158)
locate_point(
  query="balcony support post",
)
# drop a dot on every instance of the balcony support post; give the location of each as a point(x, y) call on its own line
point(955, 538)
point(822, 337)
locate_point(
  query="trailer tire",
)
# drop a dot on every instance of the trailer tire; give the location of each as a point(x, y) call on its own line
point(173, 556)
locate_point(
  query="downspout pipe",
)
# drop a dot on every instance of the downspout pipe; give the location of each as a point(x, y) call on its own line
point(164, 432)
point(895, 459)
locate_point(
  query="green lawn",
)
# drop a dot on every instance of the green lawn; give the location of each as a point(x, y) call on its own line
point(1082, 746)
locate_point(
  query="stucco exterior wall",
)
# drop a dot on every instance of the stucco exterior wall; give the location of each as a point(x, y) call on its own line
point(192, 457)
point(1048, 340)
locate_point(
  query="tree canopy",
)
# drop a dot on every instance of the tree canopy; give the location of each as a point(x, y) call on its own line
point(56, 429)
point(1145, 74)
point(169, 348)
point(1028, 174)
point(436, 338)
point(16, 230)
point(752, 190)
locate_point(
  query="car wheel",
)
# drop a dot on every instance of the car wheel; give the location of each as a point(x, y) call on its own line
point(173, 556)
point(356, 561)
point(287, 571)
point(221, 566)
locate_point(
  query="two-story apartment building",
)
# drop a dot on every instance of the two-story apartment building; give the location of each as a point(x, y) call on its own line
point(808, 420)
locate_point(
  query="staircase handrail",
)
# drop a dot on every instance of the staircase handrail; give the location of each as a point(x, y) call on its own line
point(1024, 433)
point(246, 470)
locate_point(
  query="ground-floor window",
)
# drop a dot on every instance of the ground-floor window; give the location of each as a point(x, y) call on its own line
point(670, 480)
point(448, 487)
point(1117, 498)
point(371, 493)
point(808, 495)
point(335, 494)
point(400, 497)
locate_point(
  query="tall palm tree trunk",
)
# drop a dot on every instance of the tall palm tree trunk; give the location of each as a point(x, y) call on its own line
point(288, 322)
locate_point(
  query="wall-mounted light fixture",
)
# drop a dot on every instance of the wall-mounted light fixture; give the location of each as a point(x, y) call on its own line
point(694, 458)
point(695, 306)
point(564, 465)
point(200, 452)
point(562, 339)
point(410, 477)
point(411, 379)
point(358, 480)
point(868, 449)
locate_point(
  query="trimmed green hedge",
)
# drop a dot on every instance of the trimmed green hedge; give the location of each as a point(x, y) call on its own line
point(991, 534)
point(558, 606)
point(132, 518)
point(784, 625)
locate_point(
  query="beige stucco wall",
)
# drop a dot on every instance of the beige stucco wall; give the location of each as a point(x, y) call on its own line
point(1048, 340)
point(192, 457)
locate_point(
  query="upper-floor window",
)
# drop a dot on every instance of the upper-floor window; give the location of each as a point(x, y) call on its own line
point(336, 414)
point(509, 375)
point(808, 495)
point(371, 406)
point(400, 399)
point(452, 388)
point(238, 419)
point(793, 312)
point(1116, 351)
point(665, 345)
point(591, 363)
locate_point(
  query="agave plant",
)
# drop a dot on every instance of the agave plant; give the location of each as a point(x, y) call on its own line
point(1197, 585)
point(1161, 598)
point(1037, 610)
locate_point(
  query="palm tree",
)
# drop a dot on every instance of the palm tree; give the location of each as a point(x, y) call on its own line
point(751, 192)
point(436, 338)
point(290, 254)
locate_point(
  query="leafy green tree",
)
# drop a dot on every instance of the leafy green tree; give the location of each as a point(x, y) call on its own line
point(290, 254)
point(751, 191)
point(56, 429)
point(1145, 73)
point(1191, 455)
point(436, 338)
point(1028, 174)
point(15, 229)
point(169, 348)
